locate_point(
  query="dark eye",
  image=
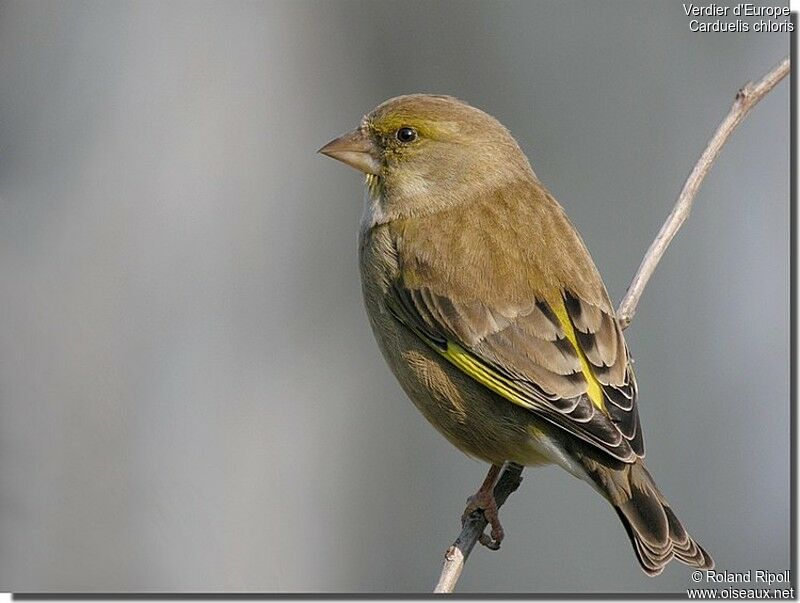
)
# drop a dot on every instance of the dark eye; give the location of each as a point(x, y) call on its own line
point(406, 134)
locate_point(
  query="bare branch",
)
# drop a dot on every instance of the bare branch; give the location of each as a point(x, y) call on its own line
point(511, 477)
point(457, 554)
point(746, 99)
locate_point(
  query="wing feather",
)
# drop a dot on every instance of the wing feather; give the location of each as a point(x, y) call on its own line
point(488, 295)
point(524, 354)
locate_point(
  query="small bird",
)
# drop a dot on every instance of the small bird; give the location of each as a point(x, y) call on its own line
point(492, 315)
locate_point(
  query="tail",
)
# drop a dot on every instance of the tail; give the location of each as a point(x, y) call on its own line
point(655, 532)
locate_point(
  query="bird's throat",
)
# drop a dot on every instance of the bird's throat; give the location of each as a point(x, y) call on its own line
point(373, 213)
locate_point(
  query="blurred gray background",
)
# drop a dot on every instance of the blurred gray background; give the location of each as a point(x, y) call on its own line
point(190, 395)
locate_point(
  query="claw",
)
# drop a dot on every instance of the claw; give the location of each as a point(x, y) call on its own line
point(484, 500)
point(486, 540)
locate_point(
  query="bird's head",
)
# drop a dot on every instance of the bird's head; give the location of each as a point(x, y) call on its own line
point(423, 152)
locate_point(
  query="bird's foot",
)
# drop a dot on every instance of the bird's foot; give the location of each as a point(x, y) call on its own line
point(484, 500)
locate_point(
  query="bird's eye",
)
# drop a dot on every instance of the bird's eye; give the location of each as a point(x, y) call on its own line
point(406, 134)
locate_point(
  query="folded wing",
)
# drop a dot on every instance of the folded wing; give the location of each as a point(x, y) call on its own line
point(564, 360)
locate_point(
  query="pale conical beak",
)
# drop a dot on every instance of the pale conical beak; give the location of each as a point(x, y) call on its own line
point(357, 150)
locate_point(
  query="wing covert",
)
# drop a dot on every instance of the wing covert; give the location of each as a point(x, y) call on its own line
point(526, 354)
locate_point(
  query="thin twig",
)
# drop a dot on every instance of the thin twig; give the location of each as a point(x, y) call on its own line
point(472, 529)
point(746, 99)
point(456, 556)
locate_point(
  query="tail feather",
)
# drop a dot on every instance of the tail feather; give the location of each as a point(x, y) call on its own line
point(655, 532)
point(686, 549)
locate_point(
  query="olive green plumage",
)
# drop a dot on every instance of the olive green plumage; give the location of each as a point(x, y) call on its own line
point(491, 313)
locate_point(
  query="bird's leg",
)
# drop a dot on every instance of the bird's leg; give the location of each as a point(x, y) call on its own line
point(484, 500)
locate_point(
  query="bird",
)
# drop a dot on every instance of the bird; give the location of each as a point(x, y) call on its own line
point(493, 317)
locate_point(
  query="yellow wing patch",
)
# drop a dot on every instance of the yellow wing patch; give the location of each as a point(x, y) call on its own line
point(594, 389)
point(483, 375)
point(472, 366)
point(487, 377)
